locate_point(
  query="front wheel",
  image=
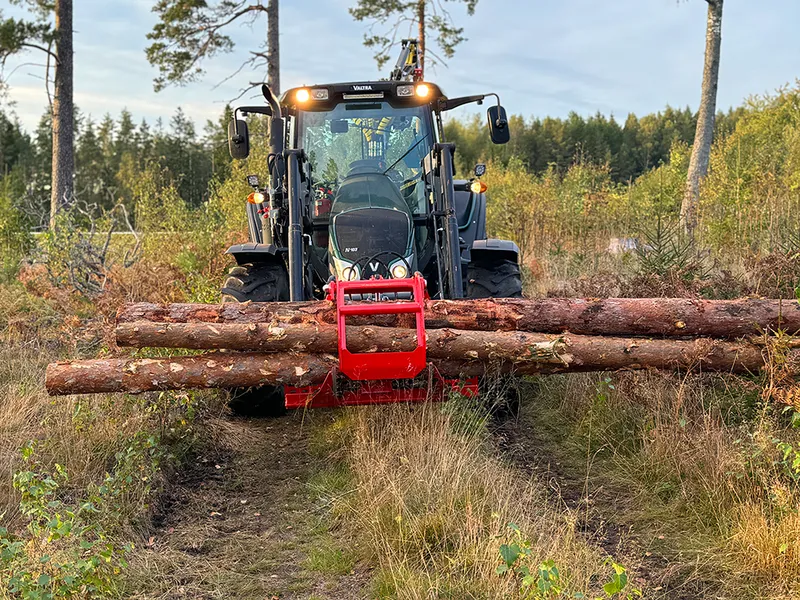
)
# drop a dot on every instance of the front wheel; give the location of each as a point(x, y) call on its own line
point(493, 277)
point(257, 282)
point(496, 277)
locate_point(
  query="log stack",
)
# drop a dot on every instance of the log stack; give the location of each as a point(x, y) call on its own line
point(296, 343)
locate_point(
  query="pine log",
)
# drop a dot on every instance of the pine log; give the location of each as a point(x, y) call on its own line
point(671, 317)
point(315, 338)
point(525, 355)
point(535, 352)
point(214, 370)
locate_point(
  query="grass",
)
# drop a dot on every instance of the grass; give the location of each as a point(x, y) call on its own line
point(105, 456)
point(431, 501)
point(698, 462)
point(419, 499)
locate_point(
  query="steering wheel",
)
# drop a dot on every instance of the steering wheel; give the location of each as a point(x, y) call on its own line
point(395, 176)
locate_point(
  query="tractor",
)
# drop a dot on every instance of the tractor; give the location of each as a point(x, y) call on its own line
point(362, 208)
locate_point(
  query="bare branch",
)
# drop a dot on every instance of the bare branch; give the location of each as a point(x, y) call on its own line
point(49, 52)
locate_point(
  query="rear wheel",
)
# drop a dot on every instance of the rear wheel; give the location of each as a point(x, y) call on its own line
point(493, 277)
point(496, 277)
point(257, 282)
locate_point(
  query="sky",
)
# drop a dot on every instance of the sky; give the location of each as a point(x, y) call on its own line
point(544, 57)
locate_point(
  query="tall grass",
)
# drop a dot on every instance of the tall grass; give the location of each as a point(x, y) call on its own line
point(431, 501)
point(702, 460)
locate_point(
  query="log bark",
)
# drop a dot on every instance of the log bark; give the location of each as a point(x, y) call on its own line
point(213, 370)
point(316, 338)
point(670, 317)
point(522, 354)
point(533, 350)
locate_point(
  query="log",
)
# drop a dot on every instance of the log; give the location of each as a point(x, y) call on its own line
point(316, 338)
point(533, 352)
point(671, 317)
point(214, 370)
point(573, 353)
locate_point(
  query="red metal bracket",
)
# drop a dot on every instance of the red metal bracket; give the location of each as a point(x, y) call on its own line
point(362, 366)
point(379, 392)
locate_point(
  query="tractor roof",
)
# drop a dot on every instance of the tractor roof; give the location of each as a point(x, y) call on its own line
point(325, 96)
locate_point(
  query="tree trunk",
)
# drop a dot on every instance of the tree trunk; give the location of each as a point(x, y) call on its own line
point(487, 352)
point(315, 338)
point(704, 135)
point(421, 35)
point(215, 370)
point(63, 149)
point(273, 48)
point(674, 317)
point(568, 351)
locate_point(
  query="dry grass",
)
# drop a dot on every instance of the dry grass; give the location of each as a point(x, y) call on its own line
point(433, 504)
point(81, 433)
point(699, 456)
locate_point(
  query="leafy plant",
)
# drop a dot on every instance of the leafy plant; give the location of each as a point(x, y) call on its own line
point(545, 580)
point(65, 551)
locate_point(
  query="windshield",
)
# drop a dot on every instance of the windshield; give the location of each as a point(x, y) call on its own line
point(368, 137)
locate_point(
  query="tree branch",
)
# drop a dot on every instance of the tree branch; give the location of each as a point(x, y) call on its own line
point(47, 51)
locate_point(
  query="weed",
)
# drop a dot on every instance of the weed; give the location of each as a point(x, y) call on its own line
point(66, 550)
point(545, 580)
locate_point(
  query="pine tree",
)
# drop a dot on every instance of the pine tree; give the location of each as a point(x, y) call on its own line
point(391, 16)
point(189, 32)
point(49, 30)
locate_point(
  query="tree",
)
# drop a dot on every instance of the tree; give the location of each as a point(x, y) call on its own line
point(191, 31)
point(427, 15)
point(50, 25)
point(704, 134)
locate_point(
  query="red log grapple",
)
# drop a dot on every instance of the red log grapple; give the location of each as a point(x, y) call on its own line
point(379, 377)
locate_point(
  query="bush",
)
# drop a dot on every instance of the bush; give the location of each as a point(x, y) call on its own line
point(16, 241)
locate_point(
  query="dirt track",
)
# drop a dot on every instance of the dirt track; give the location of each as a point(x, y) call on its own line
point(600, 509)
point(241, 522)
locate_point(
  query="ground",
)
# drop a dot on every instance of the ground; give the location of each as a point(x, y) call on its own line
point(241, 521)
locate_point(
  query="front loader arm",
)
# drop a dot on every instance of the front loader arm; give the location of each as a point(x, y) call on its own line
point(439, 169)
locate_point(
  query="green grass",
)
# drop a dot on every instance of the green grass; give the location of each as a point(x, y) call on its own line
point(326, 556)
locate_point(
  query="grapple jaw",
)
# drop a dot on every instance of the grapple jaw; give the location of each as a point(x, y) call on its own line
point(374, 297)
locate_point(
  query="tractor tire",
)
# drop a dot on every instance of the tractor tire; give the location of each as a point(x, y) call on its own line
point(493, 278)
point(257, 282)
point(496, 278)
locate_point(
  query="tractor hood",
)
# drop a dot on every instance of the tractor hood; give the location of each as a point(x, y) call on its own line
point(372, 228)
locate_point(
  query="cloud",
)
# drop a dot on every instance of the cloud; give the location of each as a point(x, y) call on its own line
point(542, 57)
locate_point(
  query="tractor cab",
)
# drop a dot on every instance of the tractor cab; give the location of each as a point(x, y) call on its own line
point(365, 144)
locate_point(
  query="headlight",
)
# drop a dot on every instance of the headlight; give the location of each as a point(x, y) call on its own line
point(423, 90)
point(399, 271)
point(404, 91)
point(319, 94)
point(302, 95)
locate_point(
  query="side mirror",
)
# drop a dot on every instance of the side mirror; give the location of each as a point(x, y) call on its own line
point(340, 126)
point(238, 139)
point(498, 124)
